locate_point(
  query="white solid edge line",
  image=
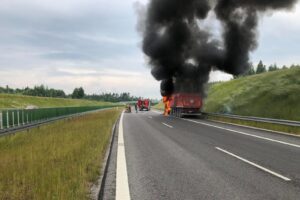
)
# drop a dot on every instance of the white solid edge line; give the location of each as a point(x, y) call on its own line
point(256, 128)
point(167, 125)
point(243, 133)
point(255, 165)
point(122, 186)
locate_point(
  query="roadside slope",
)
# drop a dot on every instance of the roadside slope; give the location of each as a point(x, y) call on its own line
point(21, 101)
point(273, 94)
point(159, 106)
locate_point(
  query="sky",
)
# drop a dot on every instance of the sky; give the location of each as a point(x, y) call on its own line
point(65, 44)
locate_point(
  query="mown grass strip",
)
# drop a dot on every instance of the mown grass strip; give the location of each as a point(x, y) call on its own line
point(22, 101)
point(270, 95)
point(269, 126)
point(159, 106)
point(55, 161)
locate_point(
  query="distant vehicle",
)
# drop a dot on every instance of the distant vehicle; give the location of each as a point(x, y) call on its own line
point(144, 104)
point(185, 104)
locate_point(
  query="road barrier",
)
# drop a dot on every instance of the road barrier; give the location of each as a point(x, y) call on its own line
point(19, 117)
point(257, 119)
point(1, 121)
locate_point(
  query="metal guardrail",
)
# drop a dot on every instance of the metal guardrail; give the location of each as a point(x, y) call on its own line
point(13, 120)
point(258, 119)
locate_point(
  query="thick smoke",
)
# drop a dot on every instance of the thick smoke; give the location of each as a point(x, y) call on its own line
point(182, 54)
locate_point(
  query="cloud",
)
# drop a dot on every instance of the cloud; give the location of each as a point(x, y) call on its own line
point(93, 72)
point(108, 39)
point(279, 38)
point(92, 81)
point(73, 39)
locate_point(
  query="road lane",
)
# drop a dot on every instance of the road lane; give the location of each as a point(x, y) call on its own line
point(242, 132)
point(183, 163)
point(254, 164)
point(283, 158)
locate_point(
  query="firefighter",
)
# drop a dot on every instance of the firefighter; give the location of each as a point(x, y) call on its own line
point(166, 101)
point(128, 108)
point(136, 107)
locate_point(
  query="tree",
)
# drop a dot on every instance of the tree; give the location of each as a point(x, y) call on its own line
point(251, 70)
point(78, 93)
point(112, 97)
point(284, 67)
point(261, 68)
point(273, 68)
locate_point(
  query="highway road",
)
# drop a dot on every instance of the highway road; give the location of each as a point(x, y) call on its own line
point(165, 158)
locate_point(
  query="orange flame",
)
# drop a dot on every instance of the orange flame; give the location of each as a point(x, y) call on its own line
point(166, 100)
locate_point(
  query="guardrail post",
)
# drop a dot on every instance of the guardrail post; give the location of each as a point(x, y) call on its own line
point(7, 120)
point(18, 113)
point(23, 120)
point(13, 118)
point(1, 120)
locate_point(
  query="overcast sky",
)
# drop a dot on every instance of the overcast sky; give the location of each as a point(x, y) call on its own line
point(94, 43)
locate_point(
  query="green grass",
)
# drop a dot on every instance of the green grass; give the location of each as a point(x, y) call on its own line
point(21, 101)
point(159, 106)
point(273, 95)
point(56, 161)
point(268, 126)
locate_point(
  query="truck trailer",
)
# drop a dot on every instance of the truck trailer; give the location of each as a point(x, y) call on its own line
point(184, 104)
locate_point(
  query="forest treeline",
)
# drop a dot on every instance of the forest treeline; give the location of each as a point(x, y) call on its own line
point(78, 93)
point(261, 68)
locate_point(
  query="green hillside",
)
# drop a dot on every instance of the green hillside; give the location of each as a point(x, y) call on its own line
point(159, 106)
point(273, 94)
point(20, 101)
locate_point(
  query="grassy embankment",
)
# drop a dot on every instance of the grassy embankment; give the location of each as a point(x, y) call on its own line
point(272, 95)
point(56, 161)
point(159, 106)
point(21, 101)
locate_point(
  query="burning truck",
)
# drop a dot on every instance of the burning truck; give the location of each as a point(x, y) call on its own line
point(182, 104)
point(183, 100)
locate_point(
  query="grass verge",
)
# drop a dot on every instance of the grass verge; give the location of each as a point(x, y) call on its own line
point(55, 161)
point(270, 95)
point(21, 101)
point(263, 125)
point(159, 106)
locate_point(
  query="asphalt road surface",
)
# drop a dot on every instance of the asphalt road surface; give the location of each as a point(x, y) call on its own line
point(168, 158)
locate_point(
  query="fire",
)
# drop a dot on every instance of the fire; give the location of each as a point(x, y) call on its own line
point(166, 100)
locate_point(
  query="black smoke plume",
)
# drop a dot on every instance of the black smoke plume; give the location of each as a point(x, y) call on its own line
point(182, 54)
